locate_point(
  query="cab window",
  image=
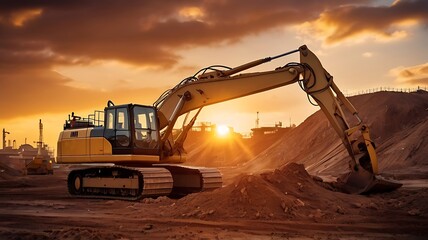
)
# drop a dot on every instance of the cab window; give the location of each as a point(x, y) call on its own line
point(146, 135)
point(122, 127)
point(110, 119)
point(122, 119)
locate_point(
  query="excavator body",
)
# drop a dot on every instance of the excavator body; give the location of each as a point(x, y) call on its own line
point(144, 156)
point(39, 166)
point(130, 141)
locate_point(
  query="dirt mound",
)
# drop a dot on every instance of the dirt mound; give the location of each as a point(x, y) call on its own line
point(388, 113)
point(84, 233)
point(10, 168)
point(407, 148)
point(399, 127)
point(67, 233)
point(286, 193)
point(22, 235)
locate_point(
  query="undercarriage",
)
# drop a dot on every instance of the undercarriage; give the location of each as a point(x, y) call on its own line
point(126, 183)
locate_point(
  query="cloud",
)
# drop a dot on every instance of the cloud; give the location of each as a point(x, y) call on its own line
point(19, 17)
point(357, 23)
point(38, 37)
point(141, 32)
point(413, 75)
point(40, 91)
point(149, 32)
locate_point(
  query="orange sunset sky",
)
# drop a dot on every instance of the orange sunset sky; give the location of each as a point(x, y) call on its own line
point(62, 56)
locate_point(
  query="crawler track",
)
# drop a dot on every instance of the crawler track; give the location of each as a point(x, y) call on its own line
point(125, 183)
point(119, 182)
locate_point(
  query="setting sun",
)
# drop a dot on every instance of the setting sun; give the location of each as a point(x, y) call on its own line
point(222, 130)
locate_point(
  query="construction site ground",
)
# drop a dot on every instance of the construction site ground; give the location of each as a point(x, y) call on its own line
point(270, 194)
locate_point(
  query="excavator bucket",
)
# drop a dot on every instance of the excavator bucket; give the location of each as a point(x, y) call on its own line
point(365, 182)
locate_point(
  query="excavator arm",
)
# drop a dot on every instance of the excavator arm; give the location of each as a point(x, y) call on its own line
point(215, 86)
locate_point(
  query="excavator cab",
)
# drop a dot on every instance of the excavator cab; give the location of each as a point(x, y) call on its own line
point(115, 133)
point(132, 129)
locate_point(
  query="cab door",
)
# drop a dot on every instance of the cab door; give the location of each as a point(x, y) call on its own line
point(146, 133)
point(117, 130)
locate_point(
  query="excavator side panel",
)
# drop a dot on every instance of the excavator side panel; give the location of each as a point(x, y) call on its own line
point(77, 146)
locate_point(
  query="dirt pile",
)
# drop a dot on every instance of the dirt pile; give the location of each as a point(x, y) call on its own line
point(399, 127)
point(390, 112)
point(68, 233)
point(83, 233)
point(286, 193)
point(10, 168)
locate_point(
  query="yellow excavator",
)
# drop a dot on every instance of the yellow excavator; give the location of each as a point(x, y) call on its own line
point(41, 164)
point(144, 154)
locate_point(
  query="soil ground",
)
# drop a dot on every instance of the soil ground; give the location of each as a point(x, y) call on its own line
point(39, 207)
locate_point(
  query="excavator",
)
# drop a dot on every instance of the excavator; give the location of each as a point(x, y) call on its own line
point(134, 153)
point(41, 164)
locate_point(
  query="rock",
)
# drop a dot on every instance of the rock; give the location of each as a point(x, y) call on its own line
point(414, 212)
point(318, 213)
point(194, 212)
point(210, 212)
point(299, 203)
point(373, 206)
point(340, 210)
point(316, 178)
point(300, 186)
point(283, 205)
point(357, 205)
point(132, 207)
point(148, 227)
point(257, 214)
